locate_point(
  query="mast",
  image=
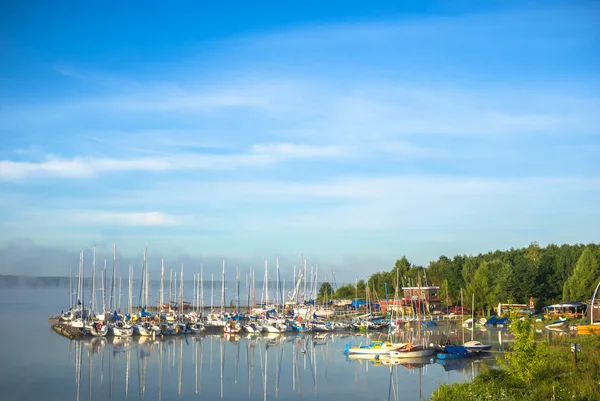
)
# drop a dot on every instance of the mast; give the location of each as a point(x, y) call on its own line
point(473, 316)
point(162, 284)
point(212, 292)
point(143, 296)
point(223, 288)
point(462, 318)
point(181, 290)
point(104, 289)
point(266, 284)
point(238, 289)
point(201, 288)
point(277, 285)
point(130, 300)
point(70, 288)
point(147, 281)
point(82, 285)
point(113, 294)
point(93, 296)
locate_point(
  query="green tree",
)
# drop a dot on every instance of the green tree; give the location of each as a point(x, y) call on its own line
point(325, 291)
point(346, 291)
point(581, 283)
point(528, 359)
point(480, 287)
point(360, 288)
point(468, 270)
point(402, 266)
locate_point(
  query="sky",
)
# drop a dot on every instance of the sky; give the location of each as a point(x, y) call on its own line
point(350, 132)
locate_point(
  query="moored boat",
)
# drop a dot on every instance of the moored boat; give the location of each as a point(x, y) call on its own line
point(375, 347)
point(477, 346)
point(412, 351)
point(454, 352)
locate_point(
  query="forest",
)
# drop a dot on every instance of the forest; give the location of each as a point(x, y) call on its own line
point(555, 273)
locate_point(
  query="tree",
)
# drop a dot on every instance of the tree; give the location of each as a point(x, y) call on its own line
point(468, 269)
point(528, 359)
point(480, 287)
point(360, 288)
point(581, 283)
point(346, 291)
point(402, 266)
point(325, 291)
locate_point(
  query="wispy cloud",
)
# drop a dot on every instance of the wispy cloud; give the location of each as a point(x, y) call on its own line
point(145, 219)
point(84, 167)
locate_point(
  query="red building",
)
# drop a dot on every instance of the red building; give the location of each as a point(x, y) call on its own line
point(414, 298)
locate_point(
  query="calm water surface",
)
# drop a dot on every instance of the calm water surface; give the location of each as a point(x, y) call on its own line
point(38, 363)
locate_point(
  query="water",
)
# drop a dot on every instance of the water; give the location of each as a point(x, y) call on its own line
point(38, 363)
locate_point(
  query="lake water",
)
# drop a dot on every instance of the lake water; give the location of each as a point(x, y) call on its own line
point(40, 364)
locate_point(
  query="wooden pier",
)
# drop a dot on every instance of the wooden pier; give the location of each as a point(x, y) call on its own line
point(67, 331)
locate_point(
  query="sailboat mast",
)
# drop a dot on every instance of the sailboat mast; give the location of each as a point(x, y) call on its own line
point(113, 293)
point(162, 284)
point(181, 290)
point(223, 288)
point(82, 284)
point(277, 284)
point(70, 288)
point(201, 288)
point(238, 289)
point(104, 289)
point(93, 297)
point(473, 316)
point(462, 318)
point(266, 284)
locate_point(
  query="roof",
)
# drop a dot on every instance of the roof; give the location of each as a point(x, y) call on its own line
point(433, 287)
point(566, 305)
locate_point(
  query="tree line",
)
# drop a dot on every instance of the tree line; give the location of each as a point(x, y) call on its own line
point(551, 274)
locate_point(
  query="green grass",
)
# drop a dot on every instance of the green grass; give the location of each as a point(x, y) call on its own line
point(535, 371)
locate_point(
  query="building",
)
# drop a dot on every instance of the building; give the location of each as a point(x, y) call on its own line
point(414, 298)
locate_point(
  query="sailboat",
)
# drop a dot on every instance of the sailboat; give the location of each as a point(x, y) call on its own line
point(475, 345)
point(593, 327)
point(94, 326)
point(412, 351)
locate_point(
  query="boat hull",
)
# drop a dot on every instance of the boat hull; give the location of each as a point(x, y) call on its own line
point(412, 354)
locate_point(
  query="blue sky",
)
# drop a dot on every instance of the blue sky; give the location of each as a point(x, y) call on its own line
point(352, 132)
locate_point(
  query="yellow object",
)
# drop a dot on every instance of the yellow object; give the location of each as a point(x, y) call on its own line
point(588, 329)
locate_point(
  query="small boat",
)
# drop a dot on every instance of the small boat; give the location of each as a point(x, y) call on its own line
point(412, 351)
point(121, 329)
point(376, 347)
point(477, 346)
point(561, 322)
point(97, 329)
point(168, 329)
point(454, 352)
point(146, 329)
point(275, 328)
point(232, 327)
point(196, 328)
point(253, 328)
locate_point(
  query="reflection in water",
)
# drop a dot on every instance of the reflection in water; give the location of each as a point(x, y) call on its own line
point(267, 367)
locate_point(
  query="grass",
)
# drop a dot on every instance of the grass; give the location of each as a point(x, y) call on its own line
point(535, 371)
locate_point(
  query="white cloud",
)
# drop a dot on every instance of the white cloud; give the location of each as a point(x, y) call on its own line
point(156, 219)
point(83, 167)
